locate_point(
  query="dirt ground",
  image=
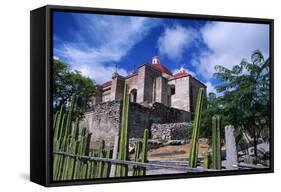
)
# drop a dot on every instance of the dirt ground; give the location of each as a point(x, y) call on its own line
point(176, 151)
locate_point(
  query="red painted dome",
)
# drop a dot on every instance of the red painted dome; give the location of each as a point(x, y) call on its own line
point(162, 68)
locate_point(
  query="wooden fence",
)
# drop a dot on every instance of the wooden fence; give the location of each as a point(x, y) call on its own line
point(73, 159)
point(134, 163)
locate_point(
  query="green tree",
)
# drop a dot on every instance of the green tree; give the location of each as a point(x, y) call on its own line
point(67, 83)
point(246, 100)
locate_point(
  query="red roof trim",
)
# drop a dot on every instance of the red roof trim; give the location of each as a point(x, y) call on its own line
point(106, 84)
point(180, 74)
point(162, 68)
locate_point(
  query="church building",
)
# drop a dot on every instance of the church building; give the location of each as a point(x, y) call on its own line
point(153, 83)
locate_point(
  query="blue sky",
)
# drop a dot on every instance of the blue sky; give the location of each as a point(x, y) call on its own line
point(94, 44)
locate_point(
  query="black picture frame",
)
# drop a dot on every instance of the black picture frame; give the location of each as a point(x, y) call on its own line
point(41, 55)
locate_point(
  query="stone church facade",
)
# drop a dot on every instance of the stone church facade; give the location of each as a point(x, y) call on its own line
point(153, 83)
point(157, 97)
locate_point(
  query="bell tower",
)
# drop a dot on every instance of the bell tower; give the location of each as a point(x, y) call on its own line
point(156, 60)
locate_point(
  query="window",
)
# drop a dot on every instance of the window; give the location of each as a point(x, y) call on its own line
point(172, 90)
point(134, 95)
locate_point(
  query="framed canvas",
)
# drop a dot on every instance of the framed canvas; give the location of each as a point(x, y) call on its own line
point(122, 95)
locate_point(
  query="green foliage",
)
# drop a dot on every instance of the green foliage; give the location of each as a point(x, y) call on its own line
point(67, 83)
point(193, 155)
point(213, 107)
point(246, 96)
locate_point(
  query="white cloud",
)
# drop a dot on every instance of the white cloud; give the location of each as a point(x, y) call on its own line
point(101, 73)
point(228, 43)
point(101, 41)
point(210, 87)
point(56, 58)
point(175, 40)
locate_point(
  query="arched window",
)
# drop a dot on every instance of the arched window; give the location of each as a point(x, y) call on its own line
point(133, 94)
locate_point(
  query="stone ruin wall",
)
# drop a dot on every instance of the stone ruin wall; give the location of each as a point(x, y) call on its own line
point(104, 120)
point(171, 131)
point(141, 117)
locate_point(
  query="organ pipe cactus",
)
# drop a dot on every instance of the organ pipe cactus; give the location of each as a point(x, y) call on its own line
point(69, 139)
point(193, 155)
point(122, 170)
point(144, 150)
point(72, 149)
point(216, 142)
point(57, 144)
point(58, 124)
point(100, 164)
point(55, 116)
point(69, 116)
point(137, 152)
point(107, 166)
point(207, 161)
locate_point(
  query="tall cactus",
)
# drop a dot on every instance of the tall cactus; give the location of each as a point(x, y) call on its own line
point(68, 138)
point(55, 116)
point(193, 155)
point(69, 115)
point(122, 170)
point(216, 142)
point(100, 164)
point(207, 161)
point(58, 124)
point(61, 124)
point(107, 166)
point(136, 169)
point(144, 151)
point(72, 148)
point(58, 145)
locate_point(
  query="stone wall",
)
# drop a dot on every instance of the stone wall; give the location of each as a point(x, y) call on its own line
point(146, 78)
point(117, 87)
point(161, 90)
point(141, 117)
point(132, 82)
point(171, 131)
point(195, 85)
point(104, 120)
point(181, 98)
point(106, 95)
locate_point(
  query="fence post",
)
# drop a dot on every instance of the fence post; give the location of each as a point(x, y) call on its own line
point(230, 147)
